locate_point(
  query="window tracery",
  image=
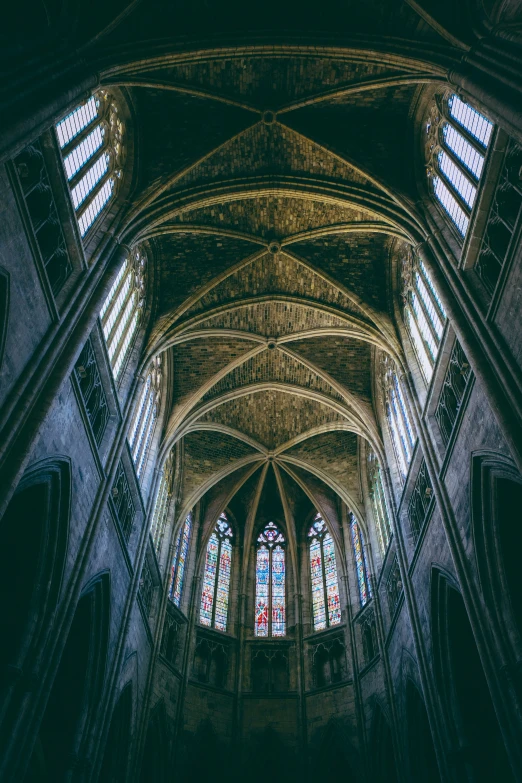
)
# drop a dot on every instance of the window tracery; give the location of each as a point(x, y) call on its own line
point(121, 311)
point(401, 428)
point(378, 499)
point(270, 608)
point(326, 602)
point(424, 314)
point(161, 507)
point(458, 137)
point(142, 428)
point(179, 561)
point(361, 564)
point(216, 576)
point(90, 139)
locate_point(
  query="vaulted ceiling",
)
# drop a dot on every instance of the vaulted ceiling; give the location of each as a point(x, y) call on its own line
point(275, 186)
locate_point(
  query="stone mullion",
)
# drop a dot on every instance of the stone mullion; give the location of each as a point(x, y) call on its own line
point(379, 623)
point(505, 703)
point(433, 333)
point(496, 380)
point(35, 711)
point(433, 707)
point(350, 632)
point(162, 611)
point(37, 398)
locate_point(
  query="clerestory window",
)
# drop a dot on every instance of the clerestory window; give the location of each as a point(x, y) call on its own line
point(90, 138)
point(326, 602)
point(216, 576)
point(179, 561)
point(458, 137)
point(424, 314)
point(161, 507)
point(144, 422)
point(121, 312)
point(378, 499)
point(361, 563)
point(401, 428)
point(270, 607)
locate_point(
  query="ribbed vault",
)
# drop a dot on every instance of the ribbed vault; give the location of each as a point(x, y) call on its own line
point(274, 192)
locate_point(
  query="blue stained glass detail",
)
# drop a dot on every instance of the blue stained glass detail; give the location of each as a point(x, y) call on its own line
point(270, 606)
point(326, 601)
point(361, 566)
point(216, 577)
point(180, 561)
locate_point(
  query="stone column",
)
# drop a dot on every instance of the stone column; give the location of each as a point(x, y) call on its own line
point(26, 419)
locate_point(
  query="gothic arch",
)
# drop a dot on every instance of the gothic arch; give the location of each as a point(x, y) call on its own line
point(154, 764)
point(419, 742)
point(382, 754)
point(465, 694)
point(496, 495)
point(34, 534)
point(115, 763)
point(76, 689)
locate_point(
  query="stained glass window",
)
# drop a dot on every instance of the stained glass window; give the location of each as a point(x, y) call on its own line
point(179, 562)
point(216, 576)
point(90, 138)
point(402, 431)
point(457, 140)
point(142, 427)
point(424, 315)
point(326, 602)
point(379, 505)
point(270, 607)
point(361, 565)
point(159, 516)
point(122, 309)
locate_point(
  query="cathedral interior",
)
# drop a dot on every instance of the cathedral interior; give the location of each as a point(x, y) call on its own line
point(261, 391)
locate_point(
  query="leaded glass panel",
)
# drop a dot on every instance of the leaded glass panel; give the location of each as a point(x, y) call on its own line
point(361, 566)
point(216, 576)
point(270, 605)
point(326, 602)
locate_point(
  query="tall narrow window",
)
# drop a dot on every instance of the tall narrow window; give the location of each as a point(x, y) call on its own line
point(216, 577)
point(142, 428)
point(401, 428)
point(361, 565)
point(457, 140)
point(424, 315)
point(270, 608)
point(121, 311)
point(90, 138)
point(379, 505)
point(179, 562)
point(161, 507)
point(326, 602)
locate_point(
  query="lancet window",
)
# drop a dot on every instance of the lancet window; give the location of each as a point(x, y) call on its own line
point(142, 428)
point(179, 561)
point(379, 505)
point(216, 576)
point(326, 602)
point(161, 507)
point(361, 563)
point(90, 138)
point(121, 312)
point(424, 314)
point(270, 607)
point(458, 137)
point(402, 432)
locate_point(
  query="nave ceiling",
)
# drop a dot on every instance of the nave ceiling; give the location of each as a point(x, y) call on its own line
point(275, 196)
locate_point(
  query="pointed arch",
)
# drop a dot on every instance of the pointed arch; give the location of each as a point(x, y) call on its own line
point(77, 687)
point(463, 685)
point(382, 755)
point(496, 495)
point(34, 531)
point(154, 764)
point(115, 763)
